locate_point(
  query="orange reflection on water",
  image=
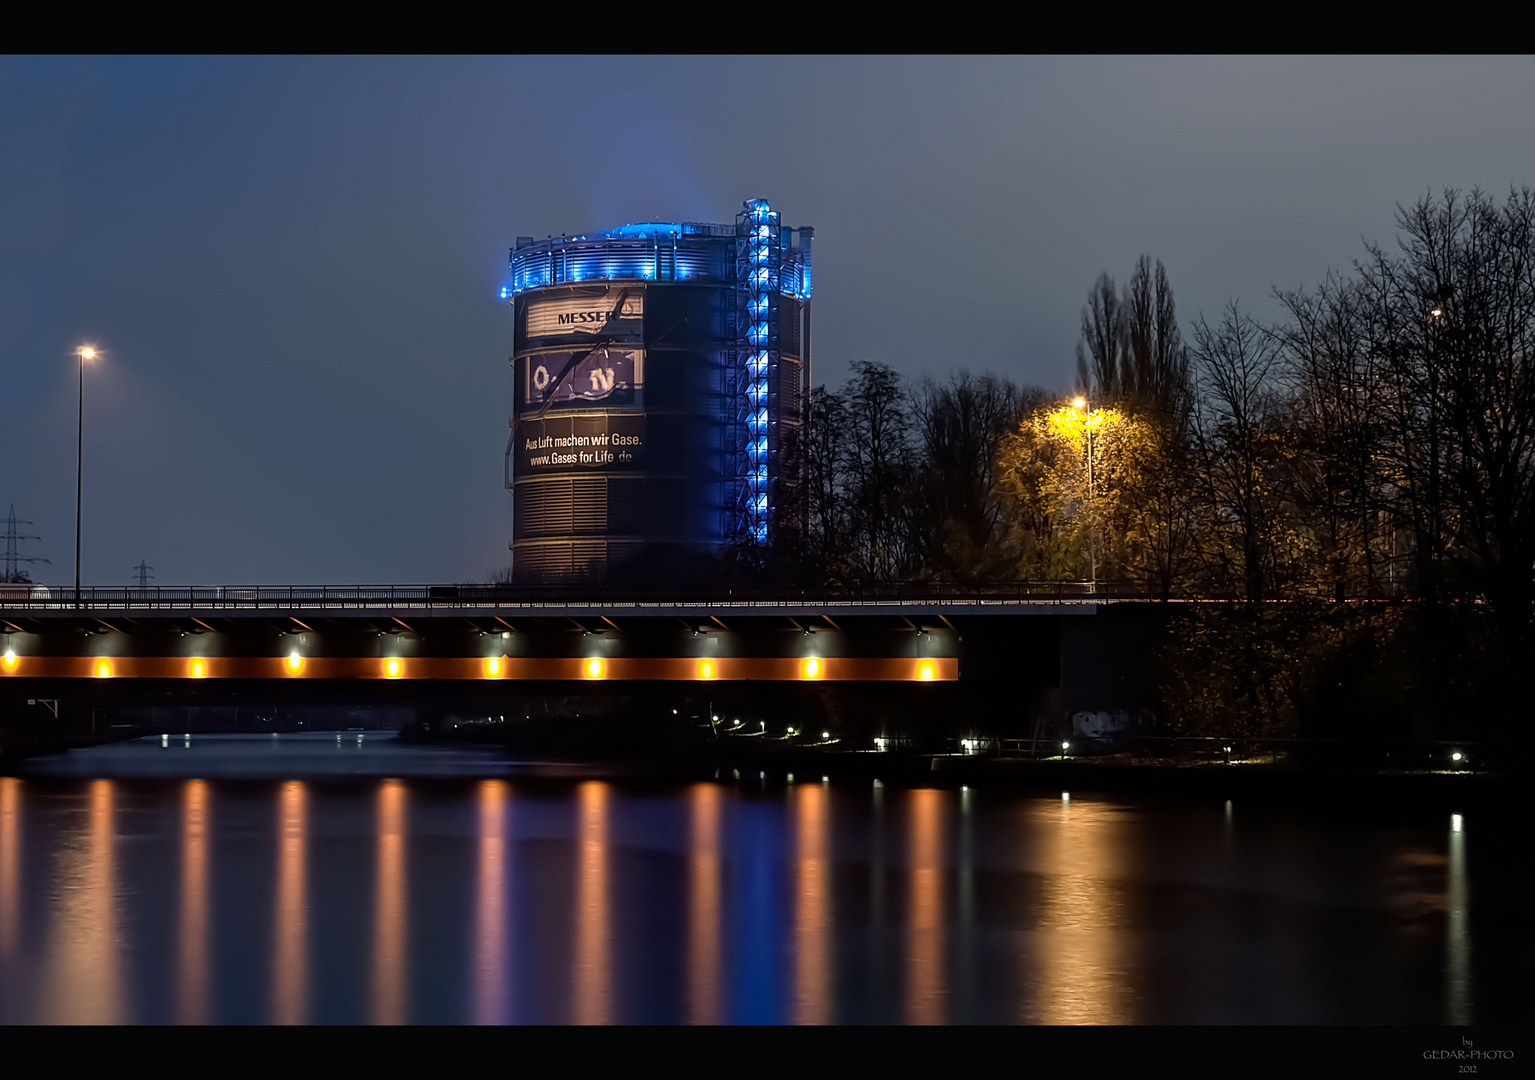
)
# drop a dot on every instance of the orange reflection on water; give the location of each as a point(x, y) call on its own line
point(84, 978)
point(389, 917)
point(10, 863)
point(290, 976)
point(1082, 978)
point(593, 977)
point(925, 987)
point(489, 913)
point(812, 968)
point(704, 907)
point(192, 953)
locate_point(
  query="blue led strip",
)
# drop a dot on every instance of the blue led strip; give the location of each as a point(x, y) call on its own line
point(758, 261)
point(674, 252)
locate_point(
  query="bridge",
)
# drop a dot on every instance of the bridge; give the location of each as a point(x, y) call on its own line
point(476, 647)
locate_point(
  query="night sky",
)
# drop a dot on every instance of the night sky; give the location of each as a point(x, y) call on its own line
point(292, 265)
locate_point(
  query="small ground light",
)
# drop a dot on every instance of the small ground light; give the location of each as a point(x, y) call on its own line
point(1455, 823)
point(1455, 756)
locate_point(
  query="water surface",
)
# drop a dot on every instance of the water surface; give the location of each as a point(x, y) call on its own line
point(326, 879)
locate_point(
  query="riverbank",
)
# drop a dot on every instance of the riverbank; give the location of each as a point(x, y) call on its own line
point(777, 761)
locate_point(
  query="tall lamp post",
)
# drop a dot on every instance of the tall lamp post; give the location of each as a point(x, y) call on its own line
point(1080, 404)
point(86, 353)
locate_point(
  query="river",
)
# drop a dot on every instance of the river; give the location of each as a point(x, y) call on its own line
point(347, 878)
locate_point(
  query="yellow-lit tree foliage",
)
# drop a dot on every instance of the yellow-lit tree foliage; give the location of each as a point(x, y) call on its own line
point(1096, 493)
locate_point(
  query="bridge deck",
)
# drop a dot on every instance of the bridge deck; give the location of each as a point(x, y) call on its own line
point(477, 633)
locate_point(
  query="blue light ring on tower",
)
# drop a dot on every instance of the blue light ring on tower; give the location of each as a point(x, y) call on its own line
point(649, 256)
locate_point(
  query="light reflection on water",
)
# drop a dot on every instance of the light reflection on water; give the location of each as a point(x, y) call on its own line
point(290, 953)
point(812, 952)
point(10, 859)
point(1080, 975)
point(925, 931)
point(192, 969)
point(389, 920)
point(82, 981)
point(491, 914)
point(704, 905)
point(592, 1003)
point(137, 900)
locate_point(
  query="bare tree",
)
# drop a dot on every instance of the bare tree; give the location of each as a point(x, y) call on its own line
point(1453, 317)
point(960, 426)
point(1103, 332)
point(1236, 448)
point(825, 476)
point(1335, 411)
point(877, 461)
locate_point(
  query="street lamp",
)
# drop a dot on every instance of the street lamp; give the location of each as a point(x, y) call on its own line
point(1080, 404)
point(85, 352)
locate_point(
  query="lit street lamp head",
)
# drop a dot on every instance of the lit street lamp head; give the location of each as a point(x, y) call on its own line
point(1079, 403)
point(87, 352)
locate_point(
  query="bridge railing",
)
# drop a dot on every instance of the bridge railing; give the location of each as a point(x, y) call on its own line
point(398, 597)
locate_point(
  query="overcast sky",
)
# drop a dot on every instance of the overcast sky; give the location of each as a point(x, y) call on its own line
point(292, 265)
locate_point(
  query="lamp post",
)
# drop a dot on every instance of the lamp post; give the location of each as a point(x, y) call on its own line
point(85, 352)
point(1080, 404)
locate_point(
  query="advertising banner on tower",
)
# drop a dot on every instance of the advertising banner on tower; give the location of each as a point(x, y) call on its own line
point(611, 314)
point(599, 375)
point(602, 441)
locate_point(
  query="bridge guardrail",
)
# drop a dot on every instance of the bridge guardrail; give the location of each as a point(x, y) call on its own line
point(213, 597)
point(25, 597)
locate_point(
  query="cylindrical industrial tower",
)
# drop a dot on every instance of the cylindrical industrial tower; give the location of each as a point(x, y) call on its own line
point(661, 373)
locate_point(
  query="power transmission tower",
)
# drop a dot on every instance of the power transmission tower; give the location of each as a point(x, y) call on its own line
point(145, 577)
point(13, 554)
